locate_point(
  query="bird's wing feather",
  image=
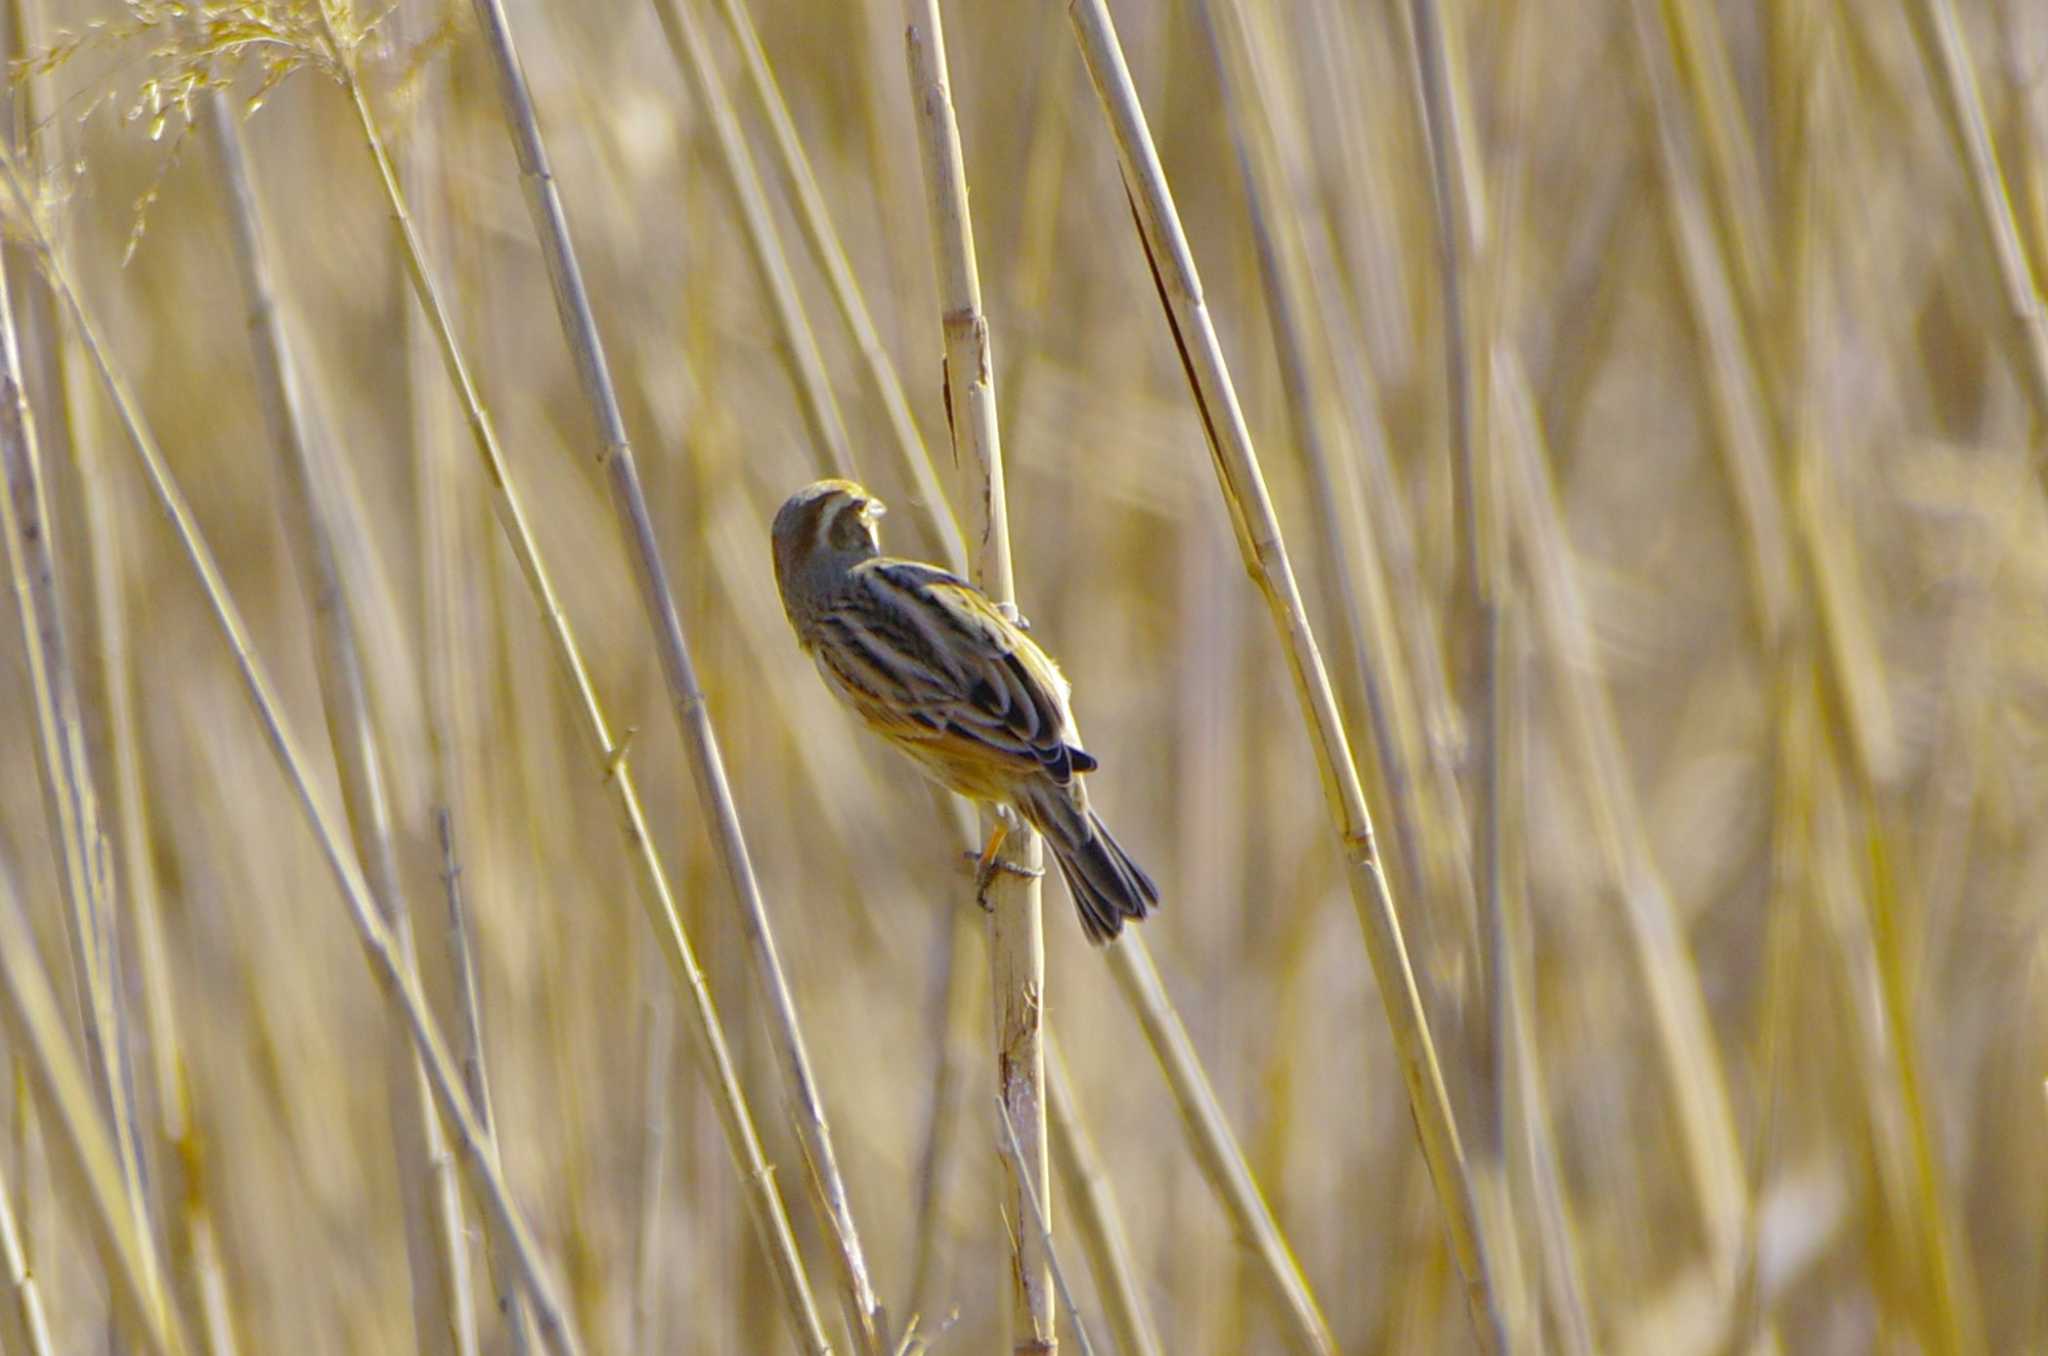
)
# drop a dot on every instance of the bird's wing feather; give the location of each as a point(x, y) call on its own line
point(933, 648)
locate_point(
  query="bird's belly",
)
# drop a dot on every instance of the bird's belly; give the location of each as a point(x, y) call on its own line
point(968, 772)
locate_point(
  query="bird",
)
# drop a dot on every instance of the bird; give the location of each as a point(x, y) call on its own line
point(949, 677)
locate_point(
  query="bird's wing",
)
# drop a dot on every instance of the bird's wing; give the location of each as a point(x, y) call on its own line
point(932, 649)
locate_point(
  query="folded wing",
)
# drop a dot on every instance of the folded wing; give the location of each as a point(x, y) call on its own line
point(940, 662)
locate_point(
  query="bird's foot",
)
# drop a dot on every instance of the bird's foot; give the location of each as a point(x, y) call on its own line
point(1013, 616)
point(986, 869)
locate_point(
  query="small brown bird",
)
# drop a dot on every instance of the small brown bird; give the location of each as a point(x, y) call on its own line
point(946, 676)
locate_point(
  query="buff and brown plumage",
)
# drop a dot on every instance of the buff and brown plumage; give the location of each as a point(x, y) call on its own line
point(934, 667)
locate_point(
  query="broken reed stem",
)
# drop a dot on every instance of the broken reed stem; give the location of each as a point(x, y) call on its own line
point(765, 1208)
point(437, 1244)
point(400, 984)
point(1016, 929)
point(707, 767)
point(1242, 484)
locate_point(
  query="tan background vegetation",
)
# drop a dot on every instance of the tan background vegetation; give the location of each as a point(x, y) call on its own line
point(1763, 448)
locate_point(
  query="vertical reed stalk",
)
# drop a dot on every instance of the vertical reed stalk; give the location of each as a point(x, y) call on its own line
point(1016, 920)
point(30, 1326)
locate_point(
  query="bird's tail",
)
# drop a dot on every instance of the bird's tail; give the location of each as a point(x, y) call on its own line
point(1106, 884)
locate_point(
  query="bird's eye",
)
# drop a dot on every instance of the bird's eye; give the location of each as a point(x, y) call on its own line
point(853, 526)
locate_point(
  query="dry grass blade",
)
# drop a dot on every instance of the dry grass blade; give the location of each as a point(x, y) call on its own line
point(1265, 554)
point(1016, 938)
point(29, 1328)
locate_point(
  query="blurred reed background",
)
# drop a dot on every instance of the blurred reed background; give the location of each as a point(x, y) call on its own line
point(1680, 600)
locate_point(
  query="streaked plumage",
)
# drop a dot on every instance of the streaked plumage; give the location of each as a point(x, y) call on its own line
point(939, 671)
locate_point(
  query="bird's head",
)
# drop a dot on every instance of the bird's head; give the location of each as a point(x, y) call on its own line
point(829, 523)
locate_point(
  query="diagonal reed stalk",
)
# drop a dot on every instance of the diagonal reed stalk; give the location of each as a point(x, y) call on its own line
point(928, 497)
point(692, 52)
point(29, 1326)
point(193, 1242)
point(764, 1204)
point(1096, 1217)
point(435, 1233)
point(1363, 608)
point(399, 983)
point(707, 766)
point(1947, 59)
point(35, 1026)
point(1216, 1148)
point(70, 798)
point(1016, 930)
point(1242, 484)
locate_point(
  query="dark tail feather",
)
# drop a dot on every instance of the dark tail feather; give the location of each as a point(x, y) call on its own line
point(1106, 884)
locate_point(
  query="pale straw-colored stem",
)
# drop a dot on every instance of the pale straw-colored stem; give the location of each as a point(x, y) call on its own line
point(1016, 919)
point(614, 455)
point(1041, 1220)
point(513, 1306)
point(1265, 554)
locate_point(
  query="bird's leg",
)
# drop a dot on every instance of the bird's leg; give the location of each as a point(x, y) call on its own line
point(988, 864)
point(1013, 616)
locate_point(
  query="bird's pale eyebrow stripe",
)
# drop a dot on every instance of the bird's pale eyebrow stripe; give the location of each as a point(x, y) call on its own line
point(824, 511)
